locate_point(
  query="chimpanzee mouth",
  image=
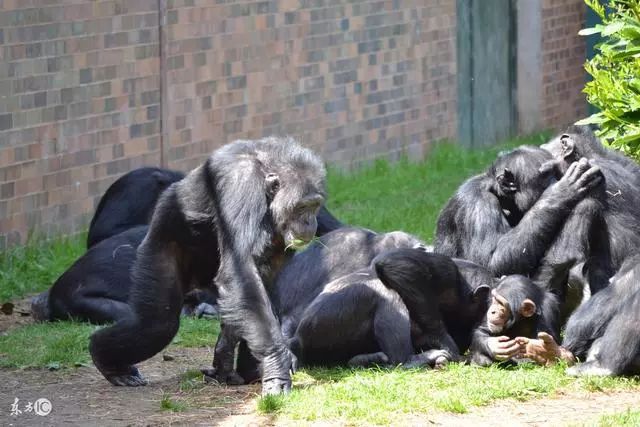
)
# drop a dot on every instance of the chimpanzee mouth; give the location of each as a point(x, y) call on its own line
point(493, 328)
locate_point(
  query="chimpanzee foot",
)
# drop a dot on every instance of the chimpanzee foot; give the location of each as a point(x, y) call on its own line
point(131, 379)
point(275, 386)
point(228, 378)
point(436, 359)
point(364, 360)
point(589, 369)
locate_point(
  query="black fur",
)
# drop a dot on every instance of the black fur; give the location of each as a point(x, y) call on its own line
point(521, 217)
point(446, 297)
point(129, 202)
point(229, 221)
point(604, 330)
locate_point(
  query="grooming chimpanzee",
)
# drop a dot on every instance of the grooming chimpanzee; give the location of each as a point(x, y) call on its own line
point(339, 261)
point(517, 218)
point(622, 177)
point(129, 202)
point(519, 308)
point(230, 221)
point(603, 331)
point(445, 297)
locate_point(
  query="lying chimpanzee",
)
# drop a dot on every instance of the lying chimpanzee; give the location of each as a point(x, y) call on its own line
point(446, 297)
point(603, 331)
point(96, 287)
point(228, 221)
point(129, 202)
point(517, 219)
point(338, 262)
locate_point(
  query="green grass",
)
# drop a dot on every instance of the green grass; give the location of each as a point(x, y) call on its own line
point(35, 266)
point(62, 345)
point(172, 405)
point(380, 396)
point(627, 418)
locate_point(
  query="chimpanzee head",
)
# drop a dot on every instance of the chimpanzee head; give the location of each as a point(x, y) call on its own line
point(515, 298)
point(519, 179)
point(295, 187)
point(575, 142)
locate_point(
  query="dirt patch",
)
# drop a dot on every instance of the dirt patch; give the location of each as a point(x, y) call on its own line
point(563, 409)
point(82, 396)
point(20, 315)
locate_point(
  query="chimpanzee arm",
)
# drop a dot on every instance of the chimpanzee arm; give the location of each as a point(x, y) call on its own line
point(485, 348)
point(521, 249)
point(243, 234)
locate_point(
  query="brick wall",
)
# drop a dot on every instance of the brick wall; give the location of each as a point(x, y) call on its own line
point(79, 96)
point(563, 54)
point(354, 80)
point(92, 89)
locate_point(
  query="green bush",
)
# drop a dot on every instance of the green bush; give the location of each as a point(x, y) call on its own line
point(615, 88)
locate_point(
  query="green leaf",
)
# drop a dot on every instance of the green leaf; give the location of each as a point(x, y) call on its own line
point(612, 28)
point(589, 31)
point(593, 119)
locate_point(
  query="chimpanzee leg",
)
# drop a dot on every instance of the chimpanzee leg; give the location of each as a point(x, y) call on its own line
point(589, 321)
point(615, 352)
point(248, 367)
point(224, 357)
point(95, 309)
point(156, 300)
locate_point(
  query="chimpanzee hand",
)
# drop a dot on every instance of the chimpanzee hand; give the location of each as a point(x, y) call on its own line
point(504, 348)
point(277, 368)
point(544, 350)
point(580, 178)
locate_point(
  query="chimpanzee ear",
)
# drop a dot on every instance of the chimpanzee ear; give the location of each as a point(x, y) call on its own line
point(568, 145)
point(481, 293)
point(528, 308)
point(272, 183)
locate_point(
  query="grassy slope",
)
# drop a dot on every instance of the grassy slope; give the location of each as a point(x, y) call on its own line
point(406, 196)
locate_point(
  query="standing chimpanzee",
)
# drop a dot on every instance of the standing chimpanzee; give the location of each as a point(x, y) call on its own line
point(622, 177)
point(339, 260)
point(519, 309)
point(603, 331)
point(516, 218)
point(446, 297)
point(231, 221)
point(129, 202)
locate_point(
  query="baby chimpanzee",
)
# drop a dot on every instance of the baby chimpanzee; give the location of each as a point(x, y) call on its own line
point(519, 309)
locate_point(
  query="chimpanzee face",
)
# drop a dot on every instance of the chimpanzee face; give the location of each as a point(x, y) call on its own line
point(500, 315)
point(295, 202)
point(520, 178)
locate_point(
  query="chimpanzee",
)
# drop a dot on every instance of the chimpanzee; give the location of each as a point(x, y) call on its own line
point(603, 331)
point(96, 287)
point(518, 217)
point(338, 260)
point(622, 177)
point(129, 202)
point(519, 308)
point(446, 297)
point(230, 220)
